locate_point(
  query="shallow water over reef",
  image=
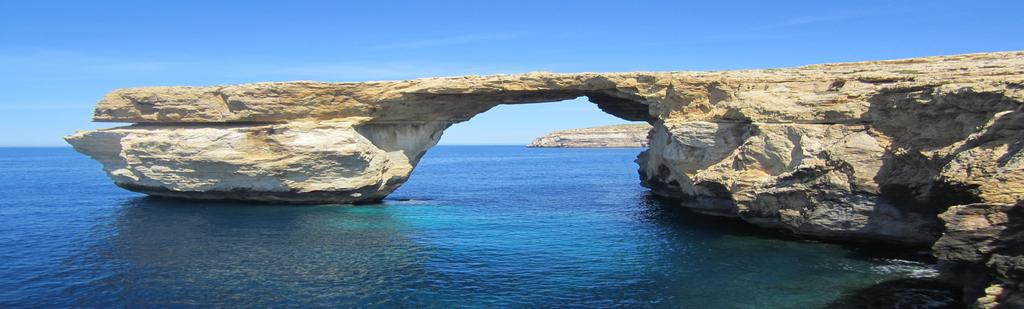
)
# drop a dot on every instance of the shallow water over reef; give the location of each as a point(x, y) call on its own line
point(477, 226)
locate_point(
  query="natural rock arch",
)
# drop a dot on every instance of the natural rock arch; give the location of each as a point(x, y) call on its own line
point(870, 151)
point(826, 150)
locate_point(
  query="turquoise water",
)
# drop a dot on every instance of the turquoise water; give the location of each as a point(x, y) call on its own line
point(487, 226)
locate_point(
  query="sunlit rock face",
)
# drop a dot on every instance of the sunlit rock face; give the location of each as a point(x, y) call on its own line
point(885, 176)
point(868, 151)
point(298, 162)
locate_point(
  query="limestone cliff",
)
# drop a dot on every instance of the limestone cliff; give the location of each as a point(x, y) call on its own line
point(870, 151)
point(612, 136)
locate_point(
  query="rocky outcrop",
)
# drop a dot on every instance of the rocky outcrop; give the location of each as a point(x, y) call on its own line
point(982, 247)
point(862, 150)
point(612, 136)
point(299, 161)
point(868, 151)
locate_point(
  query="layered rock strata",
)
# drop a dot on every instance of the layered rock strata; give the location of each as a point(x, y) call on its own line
point(612, 136)
point(871, 151)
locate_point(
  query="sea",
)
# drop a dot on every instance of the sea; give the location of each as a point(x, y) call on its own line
point(474, 227)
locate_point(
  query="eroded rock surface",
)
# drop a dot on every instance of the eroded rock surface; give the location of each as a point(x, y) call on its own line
point(983, 247)
point(869, 151)
point(299, 162)
point(612, 136)
point(833, 149)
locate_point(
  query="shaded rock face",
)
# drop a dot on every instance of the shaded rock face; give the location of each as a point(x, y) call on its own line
point(868, 151)
point(872, 157)
point(983, 247)
point(612, 136)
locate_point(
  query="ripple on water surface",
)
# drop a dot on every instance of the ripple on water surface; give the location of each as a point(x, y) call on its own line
point(476, 226)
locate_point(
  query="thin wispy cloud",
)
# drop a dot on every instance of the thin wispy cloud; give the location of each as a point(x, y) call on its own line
point(814, 19)
point(65, 63)
point(449, 41)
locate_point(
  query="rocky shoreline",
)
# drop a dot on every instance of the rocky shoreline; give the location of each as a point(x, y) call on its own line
point(917, 152)
point(611, 136)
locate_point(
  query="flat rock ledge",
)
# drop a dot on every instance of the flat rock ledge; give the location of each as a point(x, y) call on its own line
point(866, 151)
point(611, 136)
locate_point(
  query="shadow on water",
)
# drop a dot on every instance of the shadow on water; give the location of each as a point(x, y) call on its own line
point(330, 255)
point(258, 256)
point(918, 292)
point(668, 212)
point(570, 230)
point(902, 293)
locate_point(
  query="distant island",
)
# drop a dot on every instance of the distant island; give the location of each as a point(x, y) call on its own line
point(612, 136)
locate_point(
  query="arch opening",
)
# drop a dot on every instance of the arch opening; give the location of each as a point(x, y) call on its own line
point(520, 123)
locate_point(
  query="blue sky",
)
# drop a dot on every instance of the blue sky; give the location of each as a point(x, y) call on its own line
point(58, 58)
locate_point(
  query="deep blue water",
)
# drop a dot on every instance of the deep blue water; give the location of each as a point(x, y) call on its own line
point(474, 227)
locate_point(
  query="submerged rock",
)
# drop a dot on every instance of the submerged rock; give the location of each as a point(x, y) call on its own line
point(867, 151)
point(613, 136)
